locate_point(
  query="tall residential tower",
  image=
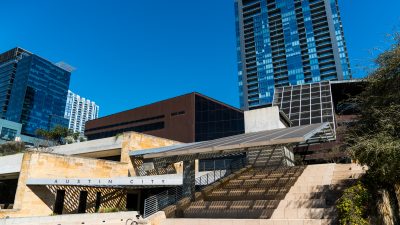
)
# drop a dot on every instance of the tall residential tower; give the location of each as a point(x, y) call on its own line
point(78, 111)
point(287, 42)
point(33, 91)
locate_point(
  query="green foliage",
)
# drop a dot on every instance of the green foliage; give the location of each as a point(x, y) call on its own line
point(57, 134)
point(109, 210)
point(12, 147)
point(375, 139)
point(353, 205)
point(82, 139)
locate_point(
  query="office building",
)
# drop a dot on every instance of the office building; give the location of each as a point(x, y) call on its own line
point(78, 111)
point(33, 91)
point(287, 42)
point(187, 118)
point(11, 131)
point(8, 68)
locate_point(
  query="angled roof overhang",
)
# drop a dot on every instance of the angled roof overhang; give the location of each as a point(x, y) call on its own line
point(307, 134)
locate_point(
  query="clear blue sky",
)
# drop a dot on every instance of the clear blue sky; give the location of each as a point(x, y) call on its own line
point(129, 52)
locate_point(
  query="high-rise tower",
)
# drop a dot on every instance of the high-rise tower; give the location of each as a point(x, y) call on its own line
point(287, 42)
point(78, 111)
point(33, 91)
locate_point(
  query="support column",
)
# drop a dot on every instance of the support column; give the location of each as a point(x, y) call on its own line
point(189, 179)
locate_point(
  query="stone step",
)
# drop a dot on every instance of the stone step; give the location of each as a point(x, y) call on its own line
point(250, 204)
point(304, 213)
point(331, 195)
point(347, 175)
point(213, 221)
point(250, 191)
point(239, 213)
point(304, 203)
point(260, 183)
point(245, 196)
point(346, 182)
point(317, 188)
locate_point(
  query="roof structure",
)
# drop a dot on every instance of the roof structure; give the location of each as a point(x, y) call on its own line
point(307, 134)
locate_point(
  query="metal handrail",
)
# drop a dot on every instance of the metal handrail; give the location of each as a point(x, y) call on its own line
point(169, 197)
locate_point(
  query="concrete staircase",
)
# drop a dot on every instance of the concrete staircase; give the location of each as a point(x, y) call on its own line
point(305, 194)
point(253, 194)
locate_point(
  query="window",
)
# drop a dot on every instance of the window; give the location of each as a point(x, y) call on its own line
point(178, 113)
point(8, 133)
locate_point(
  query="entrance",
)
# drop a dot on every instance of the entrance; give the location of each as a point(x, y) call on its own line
point(82, 202)
point(8, 189)
point(59, 204)
point(132, 201)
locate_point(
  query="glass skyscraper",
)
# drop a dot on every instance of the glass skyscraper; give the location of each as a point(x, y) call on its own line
point(287, 42)
point(33, 91)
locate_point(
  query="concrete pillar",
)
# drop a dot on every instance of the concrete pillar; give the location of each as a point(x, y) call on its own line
point(189, 178)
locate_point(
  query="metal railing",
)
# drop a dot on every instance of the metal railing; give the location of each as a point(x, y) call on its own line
point(210, 177)
point(159, 201)
point(171, 196)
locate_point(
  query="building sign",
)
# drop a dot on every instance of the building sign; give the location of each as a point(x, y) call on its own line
point(166, 180)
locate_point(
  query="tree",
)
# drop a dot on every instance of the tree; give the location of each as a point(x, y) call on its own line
point(375, 139)
point(56, 135)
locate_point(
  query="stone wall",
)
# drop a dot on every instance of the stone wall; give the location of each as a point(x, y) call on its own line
point(39, 200)
point(136, 141)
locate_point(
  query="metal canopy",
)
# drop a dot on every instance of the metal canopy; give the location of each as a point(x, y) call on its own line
point(292, 135)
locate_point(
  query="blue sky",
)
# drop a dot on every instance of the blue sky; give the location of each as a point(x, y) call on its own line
point(129, 53)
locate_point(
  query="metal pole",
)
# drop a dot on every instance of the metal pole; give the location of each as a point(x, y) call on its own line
point(214, 170)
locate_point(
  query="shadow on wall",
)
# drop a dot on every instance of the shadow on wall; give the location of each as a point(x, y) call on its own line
point(110, 198)
point(161, 167)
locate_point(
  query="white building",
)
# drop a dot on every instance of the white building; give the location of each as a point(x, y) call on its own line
point(79, 110)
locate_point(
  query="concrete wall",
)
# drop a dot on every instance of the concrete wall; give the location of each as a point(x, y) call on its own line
point(39, 200)
point(262, 119)
point(10, 164)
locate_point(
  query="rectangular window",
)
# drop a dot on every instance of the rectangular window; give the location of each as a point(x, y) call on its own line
point(8, 134)
point(178, 113)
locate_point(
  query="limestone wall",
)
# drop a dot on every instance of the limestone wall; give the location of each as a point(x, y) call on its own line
point(136, 141)
point(39, 200)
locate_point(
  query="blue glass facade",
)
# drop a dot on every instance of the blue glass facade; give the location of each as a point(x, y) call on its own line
point(38, 94)
point(8, 65)
point(287, 42)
